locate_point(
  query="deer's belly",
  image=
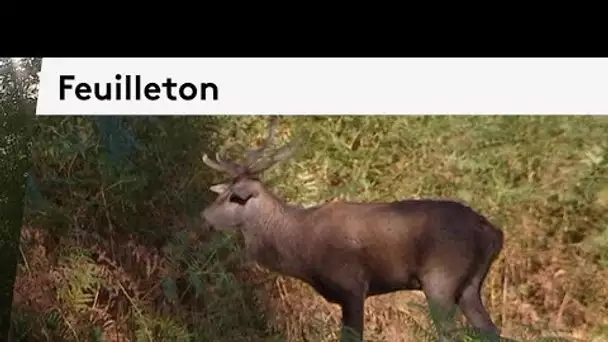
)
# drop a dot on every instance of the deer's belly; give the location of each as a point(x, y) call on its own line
point(378, 286)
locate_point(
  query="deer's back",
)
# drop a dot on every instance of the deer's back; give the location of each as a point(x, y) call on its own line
point(360, 224)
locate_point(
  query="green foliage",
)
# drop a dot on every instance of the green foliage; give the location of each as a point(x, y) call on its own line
point(103, 185)
point(459, 332)
point(81, 280)
point(16, 111)
point(103, 177)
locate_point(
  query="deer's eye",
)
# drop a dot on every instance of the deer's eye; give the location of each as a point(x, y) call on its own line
point(236, 199)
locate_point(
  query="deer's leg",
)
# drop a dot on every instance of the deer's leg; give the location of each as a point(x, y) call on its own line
point(471, 305)
point(440, 290)
point(352, 319)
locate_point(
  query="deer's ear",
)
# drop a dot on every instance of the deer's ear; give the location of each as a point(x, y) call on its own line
point(244, 191)
point(219, 188)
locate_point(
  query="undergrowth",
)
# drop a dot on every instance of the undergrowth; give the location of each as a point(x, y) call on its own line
point(113, 247)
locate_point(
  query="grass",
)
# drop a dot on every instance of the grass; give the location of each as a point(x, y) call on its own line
point(113, 248)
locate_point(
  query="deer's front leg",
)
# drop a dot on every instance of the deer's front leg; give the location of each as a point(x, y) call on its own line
point(352, 319)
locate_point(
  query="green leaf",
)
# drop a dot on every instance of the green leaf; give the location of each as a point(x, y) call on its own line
point(169, 288)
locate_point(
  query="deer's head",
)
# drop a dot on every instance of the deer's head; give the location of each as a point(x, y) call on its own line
point(243, 195)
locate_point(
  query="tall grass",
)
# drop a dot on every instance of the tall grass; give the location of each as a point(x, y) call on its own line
point(114, 249)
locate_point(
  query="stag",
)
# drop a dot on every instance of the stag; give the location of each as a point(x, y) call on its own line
point(349, 251)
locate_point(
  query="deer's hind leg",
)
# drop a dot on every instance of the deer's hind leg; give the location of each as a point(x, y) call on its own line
point(442, 290)
point(470, 300)
point(472, 307)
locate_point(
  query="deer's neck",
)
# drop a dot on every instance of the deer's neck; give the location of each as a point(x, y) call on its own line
point(273, 237)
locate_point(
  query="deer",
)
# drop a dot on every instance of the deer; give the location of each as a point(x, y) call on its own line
point(350, 251)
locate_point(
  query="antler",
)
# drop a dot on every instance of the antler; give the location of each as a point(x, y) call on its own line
point(221, 165)
point(277, 156)
point(259, 164)
point(254, 155)
point(255, 162)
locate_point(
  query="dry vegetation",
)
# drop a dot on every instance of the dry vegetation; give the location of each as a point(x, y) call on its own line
point(113, 248)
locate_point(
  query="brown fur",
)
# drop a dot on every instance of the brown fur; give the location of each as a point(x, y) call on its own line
point(350, 251)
